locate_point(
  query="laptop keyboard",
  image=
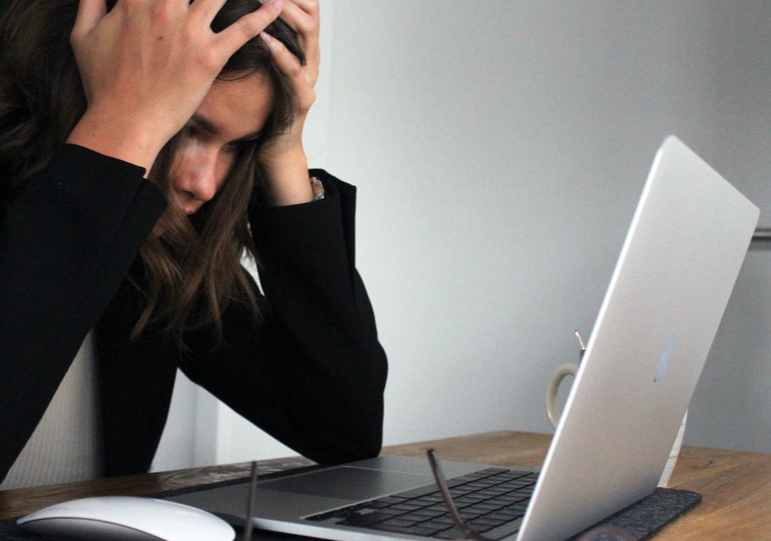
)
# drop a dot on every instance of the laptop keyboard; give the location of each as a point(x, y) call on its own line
point(491, 501)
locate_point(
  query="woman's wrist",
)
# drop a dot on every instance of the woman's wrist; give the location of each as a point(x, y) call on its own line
point(122, 140)
point(295, 192)
point(287, 181)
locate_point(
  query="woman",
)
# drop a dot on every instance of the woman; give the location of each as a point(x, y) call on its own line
point(211, 107)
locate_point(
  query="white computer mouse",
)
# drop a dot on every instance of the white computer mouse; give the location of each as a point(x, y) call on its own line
point(126, 518)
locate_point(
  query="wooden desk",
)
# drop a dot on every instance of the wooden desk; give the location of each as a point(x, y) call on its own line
point(736, 486)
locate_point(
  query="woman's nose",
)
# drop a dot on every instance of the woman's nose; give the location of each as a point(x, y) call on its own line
point(197, 176)
point(202, 187)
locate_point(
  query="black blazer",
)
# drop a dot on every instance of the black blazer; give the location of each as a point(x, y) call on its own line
point(311, 374)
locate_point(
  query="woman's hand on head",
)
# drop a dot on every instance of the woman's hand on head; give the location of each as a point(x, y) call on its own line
point(147, 65)
point(283, 158)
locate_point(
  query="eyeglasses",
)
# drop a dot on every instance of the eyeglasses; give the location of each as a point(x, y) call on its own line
point(598, 533)
point(460, 524)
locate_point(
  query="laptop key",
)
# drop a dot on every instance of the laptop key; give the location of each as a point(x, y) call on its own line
point(510, 528)
point(484, 524)
point(453, 534)
point(364, 520)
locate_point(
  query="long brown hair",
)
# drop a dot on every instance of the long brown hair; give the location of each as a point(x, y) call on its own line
point(193, 270)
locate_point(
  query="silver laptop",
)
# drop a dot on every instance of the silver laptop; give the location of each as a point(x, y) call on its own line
point(675, 274)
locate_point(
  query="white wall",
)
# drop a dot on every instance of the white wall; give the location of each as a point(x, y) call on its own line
point(499, 148)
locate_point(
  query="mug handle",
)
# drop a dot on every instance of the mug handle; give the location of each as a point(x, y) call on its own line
point(552, 408)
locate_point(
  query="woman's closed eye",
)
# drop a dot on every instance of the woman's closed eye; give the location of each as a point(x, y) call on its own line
point(194, 133)
point(234, 147)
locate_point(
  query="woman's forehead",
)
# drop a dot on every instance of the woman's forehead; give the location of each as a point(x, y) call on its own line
point(237, 108)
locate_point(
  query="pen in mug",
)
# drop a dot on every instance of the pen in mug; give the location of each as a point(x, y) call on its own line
point(581, 343)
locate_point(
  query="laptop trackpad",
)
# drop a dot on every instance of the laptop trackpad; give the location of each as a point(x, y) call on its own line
point(348, 483)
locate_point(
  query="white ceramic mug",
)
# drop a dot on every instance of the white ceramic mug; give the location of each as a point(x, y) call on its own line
point(552, 407)
point(563, 371)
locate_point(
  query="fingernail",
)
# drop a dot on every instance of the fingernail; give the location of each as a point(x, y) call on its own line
point(267, 38)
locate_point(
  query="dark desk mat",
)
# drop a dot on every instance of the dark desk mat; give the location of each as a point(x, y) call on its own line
point(642, 520)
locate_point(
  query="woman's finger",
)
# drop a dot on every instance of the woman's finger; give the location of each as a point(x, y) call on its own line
point(90, 12)
point(303, 17)
point(285, 61)
point(308, 6)
point(299, 14)
point(302, 77)
point(247, 27)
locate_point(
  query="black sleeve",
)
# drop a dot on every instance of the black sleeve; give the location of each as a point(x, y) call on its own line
point(312, 373)
point(65, 246)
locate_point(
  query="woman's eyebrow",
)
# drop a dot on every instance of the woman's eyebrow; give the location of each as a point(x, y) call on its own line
point(205, 124)
point(213, 128)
